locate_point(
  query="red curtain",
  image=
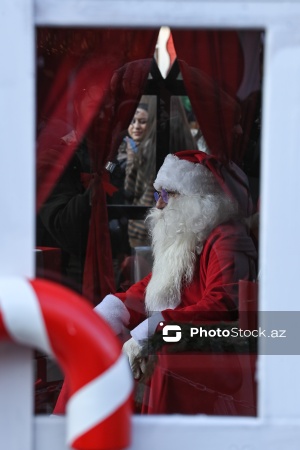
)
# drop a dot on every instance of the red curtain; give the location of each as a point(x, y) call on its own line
point(212, 64)
point(117, 62)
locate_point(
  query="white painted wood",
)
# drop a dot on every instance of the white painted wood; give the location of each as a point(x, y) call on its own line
point(177, 432)
point(280, 224)
point(166, 12)
point(280, 242)
point(50, 433)
point(17, 171)
point(17, 207)
point(16, 393)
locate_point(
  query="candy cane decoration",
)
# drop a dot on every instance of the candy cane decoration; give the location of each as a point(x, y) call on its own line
point(46, 316)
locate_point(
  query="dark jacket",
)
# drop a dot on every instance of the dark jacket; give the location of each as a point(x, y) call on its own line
point(63, 220)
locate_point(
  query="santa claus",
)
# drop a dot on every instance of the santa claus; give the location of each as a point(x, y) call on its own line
point(201, 249)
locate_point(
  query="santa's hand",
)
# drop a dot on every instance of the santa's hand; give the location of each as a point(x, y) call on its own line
point(114, 312)
point(134, 352)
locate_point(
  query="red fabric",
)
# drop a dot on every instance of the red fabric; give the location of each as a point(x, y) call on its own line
point(230, 177)
point(212, 64)
point(200, 383)
point(118, 62)
point(213, 293)
point(50, 261)
point(195, 383)
point(87, 178)
point(171, 49)
point(248, 305)
point(62, 400)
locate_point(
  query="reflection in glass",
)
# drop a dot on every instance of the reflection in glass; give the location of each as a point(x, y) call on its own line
point(106, 121)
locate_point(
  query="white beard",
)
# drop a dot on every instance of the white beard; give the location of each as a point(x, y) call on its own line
point(178, 233)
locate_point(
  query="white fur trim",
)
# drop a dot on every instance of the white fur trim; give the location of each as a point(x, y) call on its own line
point(147, 328)
point(114, 312)
point(185, 177)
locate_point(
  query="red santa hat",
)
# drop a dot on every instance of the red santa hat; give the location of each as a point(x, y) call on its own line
point(194, 172)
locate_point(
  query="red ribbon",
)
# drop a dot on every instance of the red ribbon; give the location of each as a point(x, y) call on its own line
point(86, 179)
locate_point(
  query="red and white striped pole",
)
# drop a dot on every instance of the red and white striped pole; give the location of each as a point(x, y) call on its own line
point(44, 315)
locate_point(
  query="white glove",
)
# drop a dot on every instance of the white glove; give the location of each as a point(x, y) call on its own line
point(134, 352)
point(114, 312)
point(147, 328)
point(132, 348)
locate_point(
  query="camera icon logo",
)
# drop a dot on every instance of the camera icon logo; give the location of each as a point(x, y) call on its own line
point(171, 328)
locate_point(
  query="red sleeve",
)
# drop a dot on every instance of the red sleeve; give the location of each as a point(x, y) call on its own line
point(223, 262)
point(134, 300)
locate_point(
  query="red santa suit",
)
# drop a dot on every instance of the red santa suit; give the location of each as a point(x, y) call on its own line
point(228, 256)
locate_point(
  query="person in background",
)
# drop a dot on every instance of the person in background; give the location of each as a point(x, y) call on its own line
point(140, 171)
point(134, 175)
point(141, 166)
point(130, 145)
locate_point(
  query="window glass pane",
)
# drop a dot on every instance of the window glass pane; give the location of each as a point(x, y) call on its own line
point(173, 238)
point(48, 383)
point(182, 125)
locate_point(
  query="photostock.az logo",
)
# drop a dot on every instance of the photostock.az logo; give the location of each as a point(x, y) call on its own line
point(166, 329)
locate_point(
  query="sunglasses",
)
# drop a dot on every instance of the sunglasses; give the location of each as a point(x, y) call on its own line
point(164, 195)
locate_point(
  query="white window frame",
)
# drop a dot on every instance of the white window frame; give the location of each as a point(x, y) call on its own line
point(277, 424)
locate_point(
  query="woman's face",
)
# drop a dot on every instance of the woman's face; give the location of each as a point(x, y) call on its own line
point(137, 128)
